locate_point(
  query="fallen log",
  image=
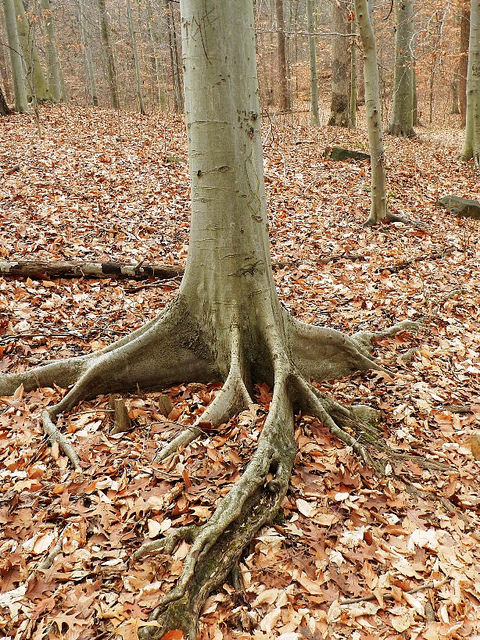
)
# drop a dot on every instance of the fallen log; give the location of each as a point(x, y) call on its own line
point(339, 153)
point(461, 207)
point(46, 270)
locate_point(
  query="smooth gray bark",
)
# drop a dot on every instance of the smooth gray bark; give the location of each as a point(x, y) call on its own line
point(136, 60)
point(402, 115)
point(16, 58)
point(174, 61)
point(89, 69)
point(471, 145)
point(284, 94)
point(37, 85)
point(56, 81)
point(312, 44)
point(339, 107)
point(153, 36)
point(378, 209)
point(110, 59)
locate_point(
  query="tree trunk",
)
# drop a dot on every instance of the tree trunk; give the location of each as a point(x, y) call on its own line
point(374, 116)
point(156, 63)
point(312, 43)
point(284, 95)
point(4, 108)
point(57, 85)
point(455, 104)
point(174, 58)
point(16, 57)
point(4, 72)
point(37, 85)
point(108, 49)
point(353, 76)
point(89, 70)
point(402, 116)
point(226, 322)
point(463, 61)
point(136, 60)
point(339, 108)
point(471, 146)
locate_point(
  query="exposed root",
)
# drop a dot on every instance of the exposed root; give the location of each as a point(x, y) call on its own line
point(232, 398)
point(252, 502)
point(167, 544)
point(365, 339)
point(55, 436)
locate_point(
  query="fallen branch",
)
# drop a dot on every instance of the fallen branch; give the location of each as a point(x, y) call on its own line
point(389, 596)
point(45, 270)
point(435, 255)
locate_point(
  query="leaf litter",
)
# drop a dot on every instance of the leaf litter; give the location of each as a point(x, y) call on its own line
point(351, 555)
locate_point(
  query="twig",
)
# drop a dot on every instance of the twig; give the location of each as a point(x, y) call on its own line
point(389, 596)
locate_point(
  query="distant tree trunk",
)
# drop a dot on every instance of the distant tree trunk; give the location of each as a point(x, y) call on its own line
point(454, 87)
point(402, 116)
point(155, 58)
point(4, 108)
point(471, 146)
point(312, 42)
point(463, 61)
point(16, 57)
point(56, 81)
point(174, 58)
point(353, 76)
point(107, 46)
point(36, 82)
point(339, 107)
point(90, 73)
point(136, 61)
point(415, 96)
point(282, 58)
point(374, 117)
point(4, 72)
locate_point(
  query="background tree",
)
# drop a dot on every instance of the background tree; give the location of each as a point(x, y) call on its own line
point(110, 58)
point(16, 57)
point(4, 108)
point(339, 108)
point(471, 145)
point(402, 117)
point(284, 94)
point(463, 60)
point(55, 75)
point(378, 209)
point(312, 44)
point(136, 59)
point(89, 70)
point(37, 85)
point(226, 322)
point(174, 57)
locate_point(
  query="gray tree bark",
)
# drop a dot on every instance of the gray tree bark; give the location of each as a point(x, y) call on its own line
point(339, 107)
point(16, 58)
point(110, 59)
point(378, 209)
point(284, 94)
point(471, 145)
point(463, 62)
point(136, 60)
point(37, 85)
point(156, 62)
point(402, 115)
point(4, 108)
point(89, 70)
point(56, 81)
point(174, 59)
point(312, 44)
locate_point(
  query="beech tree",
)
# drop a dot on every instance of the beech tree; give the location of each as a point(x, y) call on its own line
point(471, 145)
point(108, 49)
point(4, 108)
point(55, 74)
point(402, 116)
point(339, 108)
point(312, 47)
point(37, 85)
point(16, 58)
point(226, 322)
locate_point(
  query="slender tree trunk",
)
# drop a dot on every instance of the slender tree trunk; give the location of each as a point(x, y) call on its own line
point(471, 146)
point(136, 60)
point(374, 116)
point(56, 80)
point(284, 95)
point(4, 108)
point(174, 59)
point(463, 61)
point(455, 102)
point(4, 72)
point(36, 82)
point(156, 63)
point(89, 70)
point(16, 57)
point(339, 108)
point(312, 43)
point(402, 116)
point(108, 49)
point(353, 76)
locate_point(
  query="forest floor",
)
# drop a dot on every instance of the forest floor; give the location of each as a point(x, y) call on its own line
point(105, 186)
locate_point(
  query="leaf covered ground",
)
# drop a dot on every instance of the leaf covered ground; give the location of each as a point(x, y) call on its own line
point(105, 186)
